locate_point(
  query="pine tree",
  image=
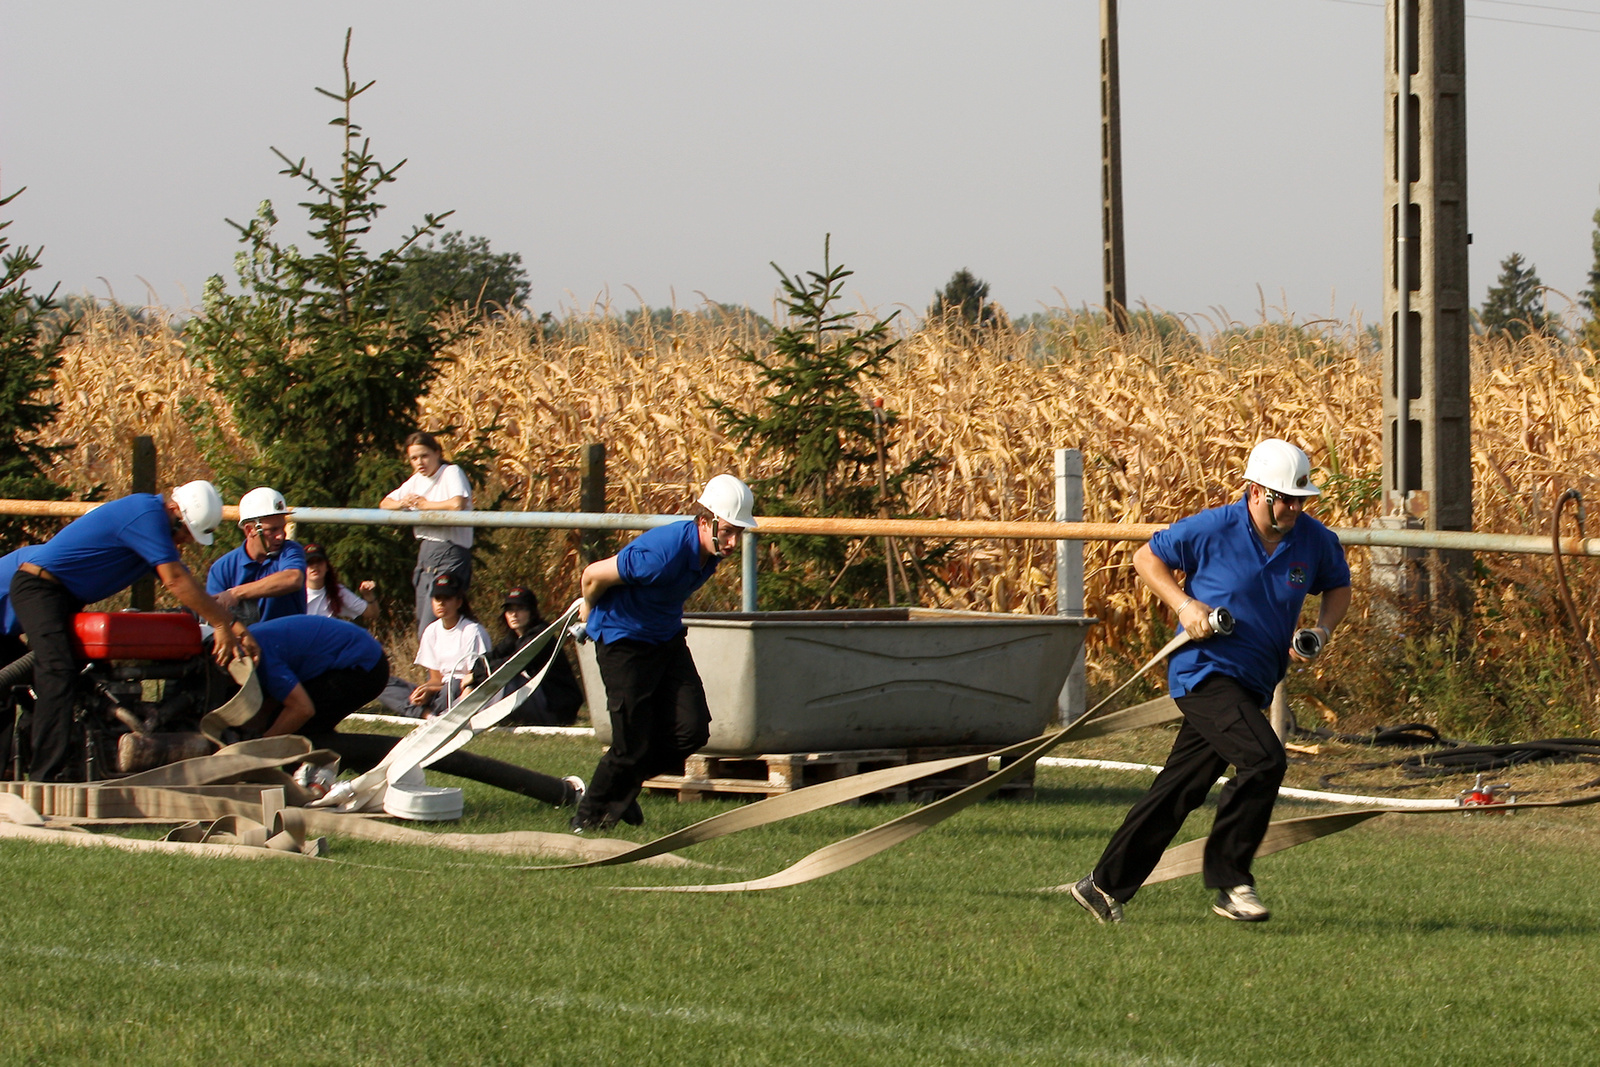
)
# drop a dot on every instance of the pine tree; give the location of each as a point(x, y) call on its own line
point(29, 355)
point(461, 270)
point(814, 417)
point(1591, 295)
point(963, 301)
point(321, 360)
point(1515, 307)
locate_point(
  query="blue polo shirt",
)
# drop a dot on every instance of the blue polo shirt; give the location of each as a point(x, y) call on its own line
point(1228, 567)
point(302, 647)
point(236, 568)
point(660, 569)
point(111, 547)
point(8, 571)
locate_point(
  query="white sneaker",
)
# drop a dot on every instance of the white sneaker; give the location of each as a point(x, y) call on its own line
point(1241, 905)
point(577, 790)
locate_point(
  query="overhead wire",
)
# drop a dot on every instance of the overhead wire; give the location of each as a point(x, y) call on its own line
point(1494, 18)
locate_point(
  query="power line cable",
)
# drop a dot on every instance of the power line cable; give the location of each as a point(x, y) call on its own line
point(1492, 18)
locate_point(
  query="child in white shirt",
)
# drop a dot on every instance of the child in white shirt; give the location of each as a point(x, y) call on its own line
point(451, 644)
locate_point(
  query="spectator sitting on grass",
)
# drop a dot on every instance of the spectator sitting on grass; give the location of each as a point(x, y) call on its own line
point(450, 647)
point(559, 696)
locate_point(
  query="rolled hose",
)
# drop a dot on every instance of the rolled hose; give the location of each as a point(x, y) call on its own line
point(17, 671)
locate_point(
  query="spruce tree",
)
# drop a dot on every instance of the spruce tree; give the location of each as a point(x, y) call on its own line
point(1515, 307)
point(815, 418)
point(321, 359)
point(964, 301)
point(1591, 295)
point(29, 355)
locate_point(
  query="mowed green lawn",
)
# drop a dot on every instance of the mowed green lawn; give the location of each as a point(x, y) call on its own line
point(1420, 940)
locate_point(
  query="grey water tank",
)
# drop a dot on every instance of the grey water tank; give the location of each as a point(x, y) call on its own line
point(814, 681)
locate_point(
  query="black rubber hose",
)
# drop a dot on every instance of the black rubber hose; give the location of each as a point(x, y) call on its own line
point(362, 752)
point(17, 671)
point(1561, 579)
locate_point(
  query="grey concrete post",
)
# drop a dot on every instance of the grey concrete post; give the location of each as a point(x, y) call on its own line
point(1074, 698)
point(747, 571)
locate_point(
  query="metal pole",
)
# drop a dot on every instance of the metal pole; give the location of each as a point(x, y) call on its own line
point(1074, 698)
point(747, 571)
point(1465, 540)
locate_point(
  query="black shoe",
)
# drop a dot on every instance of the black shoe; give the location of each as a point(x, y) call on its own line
point(633, 815)
point(1096, 901)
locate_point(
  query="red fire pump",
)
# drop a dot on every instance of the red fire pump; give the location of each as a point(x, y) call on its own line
point(144, 676)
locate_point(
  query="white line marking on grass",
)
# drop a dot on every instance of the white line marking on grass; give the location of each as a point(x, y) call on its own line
point(394, 985)
point(1283, 791)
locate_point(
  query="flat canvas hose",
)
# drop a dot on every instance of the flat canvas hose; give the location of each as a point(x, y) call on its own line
point(443, 734)
point(841, 854)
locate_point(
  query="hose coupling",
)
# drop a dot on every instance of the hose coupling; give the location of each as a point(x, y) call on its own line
point(1308, 642)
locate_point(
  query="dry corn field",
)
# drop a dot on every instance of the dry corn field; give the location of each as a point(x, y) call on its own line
point(1164, 428)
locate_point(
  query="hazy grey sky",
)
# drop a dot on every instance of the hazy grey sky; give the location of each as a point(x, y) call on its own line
point(678, 147)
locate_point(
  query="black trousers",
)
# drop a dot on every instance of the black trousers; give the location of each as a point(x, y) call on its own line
point(1222, 725)
point(45, 609)
point(336, 693)
point(658, 716)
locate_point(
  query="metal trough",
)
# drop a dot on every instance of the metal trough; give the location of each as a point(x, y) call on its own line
point(816, 681)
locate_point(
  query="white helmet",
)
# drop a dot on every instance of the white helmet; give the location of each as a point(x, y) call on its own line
point(201, 507)
point(730, 500)
point(1281, 467)
point(260, 502)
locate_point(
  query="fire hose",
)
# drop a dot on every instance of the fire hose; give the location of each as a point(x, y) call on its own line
point(1176, 862)
point(1014, 760)
point(1561, 579)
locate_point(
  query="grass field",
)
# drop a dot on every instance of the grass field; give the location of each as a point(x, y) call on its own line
point(1421, 940)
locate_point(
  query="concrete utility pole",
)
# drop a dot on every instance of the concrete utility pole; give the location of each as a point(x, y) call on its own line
point(1116, 276)
point(1427, 426)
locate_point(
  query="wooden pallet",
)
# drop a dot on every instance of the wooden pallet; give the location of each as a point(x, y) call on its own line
point(775, 774)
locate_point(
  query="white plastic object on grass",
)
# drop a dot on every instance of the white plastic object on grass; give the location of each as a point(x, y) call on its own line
point(412, 798)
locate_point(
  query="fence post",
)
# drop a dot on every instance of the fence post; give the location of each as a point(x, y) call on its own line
point(591, 496)
point(747, 571)
point(1073, 700)
point(143, 480)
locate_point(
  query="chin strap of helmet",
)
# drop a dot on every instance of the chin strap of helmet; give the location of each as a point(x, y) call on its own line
point(1273, 496)
point(716, 538)
point(261, 533)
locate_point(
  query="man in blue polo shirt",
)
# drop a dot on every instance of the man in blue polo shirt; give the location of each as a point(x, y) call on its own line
point(93, 557)
point(633, 609)
point(264, 578)
point(315, 671)
point(1259, 558)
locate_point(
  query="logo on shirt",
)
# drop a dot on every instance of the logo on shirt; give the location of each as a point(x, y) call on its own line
point(1297, 575)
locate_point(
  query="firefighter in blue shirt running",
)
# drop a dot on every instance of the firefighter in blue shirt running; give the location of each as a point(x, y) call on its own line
point(1259, 558)
point(264, 578)
point(633, 609)
point(93, 557)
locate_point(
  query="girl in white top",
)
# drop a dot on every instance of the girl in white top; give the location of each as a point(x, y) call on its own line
point(450, 645)
point(434, 486)
point(326, 595)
